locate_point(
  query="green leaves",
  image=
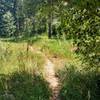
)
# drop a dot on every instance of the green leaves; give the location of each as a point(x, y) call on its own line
point(81, 21)
point(8, 27)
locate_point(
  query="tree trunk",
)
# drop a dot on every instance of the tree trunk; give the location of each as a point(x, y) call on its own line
point(50, 19)
point(50, 27)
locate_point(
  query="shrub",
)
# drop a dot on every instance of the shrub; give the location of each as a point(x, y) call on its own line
point(79, 85)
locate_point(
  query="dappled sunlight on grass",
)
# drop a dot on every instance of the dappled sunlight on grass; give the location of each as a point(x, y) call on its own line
point(13, 56)
point(55, 47)
point(21, 73)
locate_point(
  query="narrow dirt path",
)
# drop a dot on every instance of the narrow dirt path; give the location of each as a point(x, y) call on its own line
point(52, 80)
point(50, 75)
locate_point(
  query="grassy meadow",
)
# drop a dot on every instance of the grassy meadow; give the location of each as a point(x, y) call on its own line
point(22, 71)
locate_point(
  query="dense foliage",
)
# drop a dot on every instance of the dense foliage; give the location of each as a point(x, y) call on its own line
point(8, 27)
point(84, 27)
point(82, 24)
point(78, 84)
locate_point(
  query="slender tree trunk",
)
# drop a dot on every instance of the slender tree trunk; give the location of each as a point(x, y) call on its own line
point(50, 27)
point(50, 19)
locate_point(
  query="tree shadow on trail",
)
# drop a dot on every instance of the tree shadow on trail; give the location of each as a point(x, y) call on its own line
point(23, 86)
point(79, 85)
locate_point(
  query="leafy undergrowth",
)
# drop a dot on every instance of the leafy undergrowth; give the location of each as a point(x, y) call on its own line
point(21, 73)
point(23, 86)
point(79, 84)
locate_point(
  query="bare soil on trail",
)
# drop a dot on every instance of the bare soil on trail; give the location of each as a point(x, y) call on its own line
point(50, 75)
point(52, 80)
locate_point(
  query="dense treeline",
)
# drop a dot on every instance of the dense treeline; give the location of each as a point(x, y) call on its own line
point(44, 15)
point(24, 15)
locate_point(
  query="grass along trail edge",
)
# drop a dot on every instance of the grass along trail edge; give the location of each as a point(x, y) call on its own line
point(49, 70)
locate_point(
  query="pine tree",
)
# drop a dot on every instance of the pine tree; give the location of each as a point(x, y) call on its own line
point(7, 26)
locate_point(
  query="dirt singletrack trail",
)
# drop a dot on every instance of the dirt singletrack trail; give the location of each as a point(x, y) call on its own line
point(50, 75)
point(52, 80)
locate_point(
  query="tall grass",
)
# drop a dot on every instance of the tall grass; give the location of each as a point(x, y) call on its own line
point(54, 47)
point(21, 73)
point(14, 55)
point(23, 86)
point(79, 84)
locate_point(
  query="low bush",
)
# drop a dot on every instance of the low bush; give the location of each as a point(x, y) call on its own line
point(79, 85)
